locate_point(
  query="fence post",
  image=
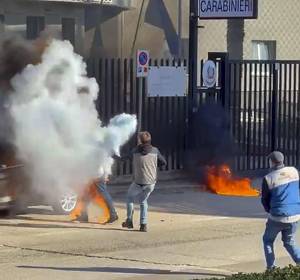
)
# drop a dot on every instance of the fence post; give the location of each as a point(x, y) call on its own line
point(226, 84)
point(193, 63)
point(274, 107)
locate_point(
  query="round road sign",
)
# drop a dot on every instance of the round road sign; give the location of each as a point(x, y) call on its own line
point(143, 58)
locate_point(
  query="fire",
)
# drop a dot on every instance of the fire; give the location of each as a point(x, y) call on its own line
point(220, 181)
point(91, 195)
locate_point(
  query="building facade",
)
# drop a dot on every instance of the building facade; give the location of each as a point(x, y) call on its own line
point(64, 19)
point(162, 26)
point(273, 35)
point(100, 28)
point(117, 28)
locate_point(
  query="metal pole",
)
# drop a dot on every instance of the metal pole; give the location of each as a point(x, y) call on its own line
point(193, 48)
point(274, 107)
point(140, 96)
point(179, 28)
point(193, 62)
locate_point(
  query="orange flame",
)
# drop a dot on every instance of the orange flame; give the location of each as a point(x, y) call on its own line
point(91, 194)
point(221, 181)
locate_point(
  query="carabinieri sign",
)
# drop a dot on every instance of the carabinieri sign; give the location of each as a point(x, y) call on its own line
point(224, 9)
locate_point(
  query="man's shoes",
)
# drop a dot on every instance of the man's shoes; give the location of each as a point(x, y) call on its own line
point(112, 219)
point(127, 224)
point(143, 228)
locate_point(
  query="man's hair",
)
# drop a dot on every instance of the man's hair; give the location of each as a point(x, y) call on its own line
point(145, 137)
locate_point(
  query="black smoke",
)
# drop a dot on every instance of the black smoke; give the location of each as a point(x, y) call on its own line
point(15, 54)
point(211, 143)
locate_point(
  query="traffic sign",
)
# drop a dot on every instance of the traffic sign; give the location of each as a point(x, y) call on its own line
point(142, 63)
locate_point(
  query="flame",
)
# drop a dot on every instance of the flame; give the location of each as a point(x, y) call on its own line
point(221, 181)
point(91, 195)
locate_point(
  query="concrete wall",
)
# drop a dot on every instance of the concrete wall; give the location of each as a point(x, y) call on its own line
point(212, 37)
point(277, 20)
point(102, 31)
point(119, 33)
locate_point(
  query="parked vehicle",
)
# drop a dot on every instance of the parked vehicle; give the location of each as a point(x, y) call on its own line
point(16, 194)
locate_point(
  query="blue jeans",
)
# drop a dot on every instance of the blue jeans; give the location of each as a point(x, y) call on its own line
point(102, 187)
point(141, 192)
point(288, 233)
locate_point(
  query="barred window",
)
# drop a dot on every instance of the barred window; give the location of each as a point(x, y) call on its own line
point(68, 29)
point(34, 26)
point(264, 50)
point(2, 27)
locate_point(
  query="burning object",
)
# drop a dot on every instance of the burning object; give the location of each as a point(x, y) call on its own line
point(91, 203)
point(220, 180)
point(50, 102)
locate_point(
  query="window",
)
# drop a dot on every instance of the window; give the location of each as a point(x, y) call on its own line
point(2, 23)
point(264, 50)
point(68, 30)
point(34, 26)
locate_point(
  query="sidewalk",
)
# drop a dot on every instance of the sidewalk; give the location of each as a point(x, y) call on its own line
point(192, 234)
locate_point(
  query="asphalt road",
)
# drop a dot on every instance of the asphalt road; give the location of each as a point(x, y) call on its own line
point(192, 235)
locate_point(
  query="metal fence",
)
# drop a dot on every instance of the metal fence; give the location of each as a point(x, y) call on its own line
point(264, 110)
point(261, 99)
point(164, 117)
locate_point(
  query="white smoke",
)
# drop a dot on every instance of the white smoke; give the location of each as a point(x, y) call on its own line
point(57, 131)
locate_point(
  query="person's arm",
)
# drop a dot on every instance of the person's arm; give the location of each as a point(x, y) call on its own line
point(265, 196)
point(161, 161)
point(124, 157)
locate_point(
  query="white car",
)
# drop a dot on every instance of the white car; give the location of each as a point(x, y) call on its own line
point(15, 193)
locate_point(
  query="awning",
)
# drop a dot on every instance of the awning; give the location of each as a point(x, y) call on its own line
point(125, 4)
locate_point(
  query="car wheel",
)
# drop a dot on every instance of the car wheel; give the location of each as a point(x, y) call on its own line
point(66, 203)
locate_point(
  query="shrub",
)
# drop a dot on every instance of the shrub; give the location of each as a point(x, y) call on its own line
point(287, 273)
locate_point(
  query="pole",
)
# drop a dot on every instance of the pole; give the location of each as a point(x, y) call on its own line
point(179, 28)
point(142, 63)
point(274, 107)
point(140, 96)
point(193, 62)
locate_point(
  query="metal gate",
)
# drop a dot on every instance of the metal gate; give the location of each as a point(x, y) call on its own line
point(264, 108)
point(261, 99)
point(164, 117)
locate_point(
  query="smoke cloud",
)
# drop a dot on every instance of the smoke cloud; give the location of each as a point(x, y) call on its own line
point(15, 54)
point(212, 141)
point(57, 133)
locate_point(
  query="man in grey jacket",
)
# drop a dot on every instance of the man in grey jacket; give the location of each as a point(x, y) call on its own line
point(145, 160)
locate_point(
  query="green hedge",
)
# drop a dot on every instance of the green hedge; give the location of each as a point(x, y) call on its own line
point(287, 273)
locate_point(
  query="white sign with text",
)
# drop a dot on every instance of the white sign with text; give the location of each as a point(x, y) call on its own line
point(223, 9)
point(167, 81)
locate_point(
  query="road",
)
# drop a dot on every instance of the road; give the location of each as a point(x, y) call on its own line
point(192, 235)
